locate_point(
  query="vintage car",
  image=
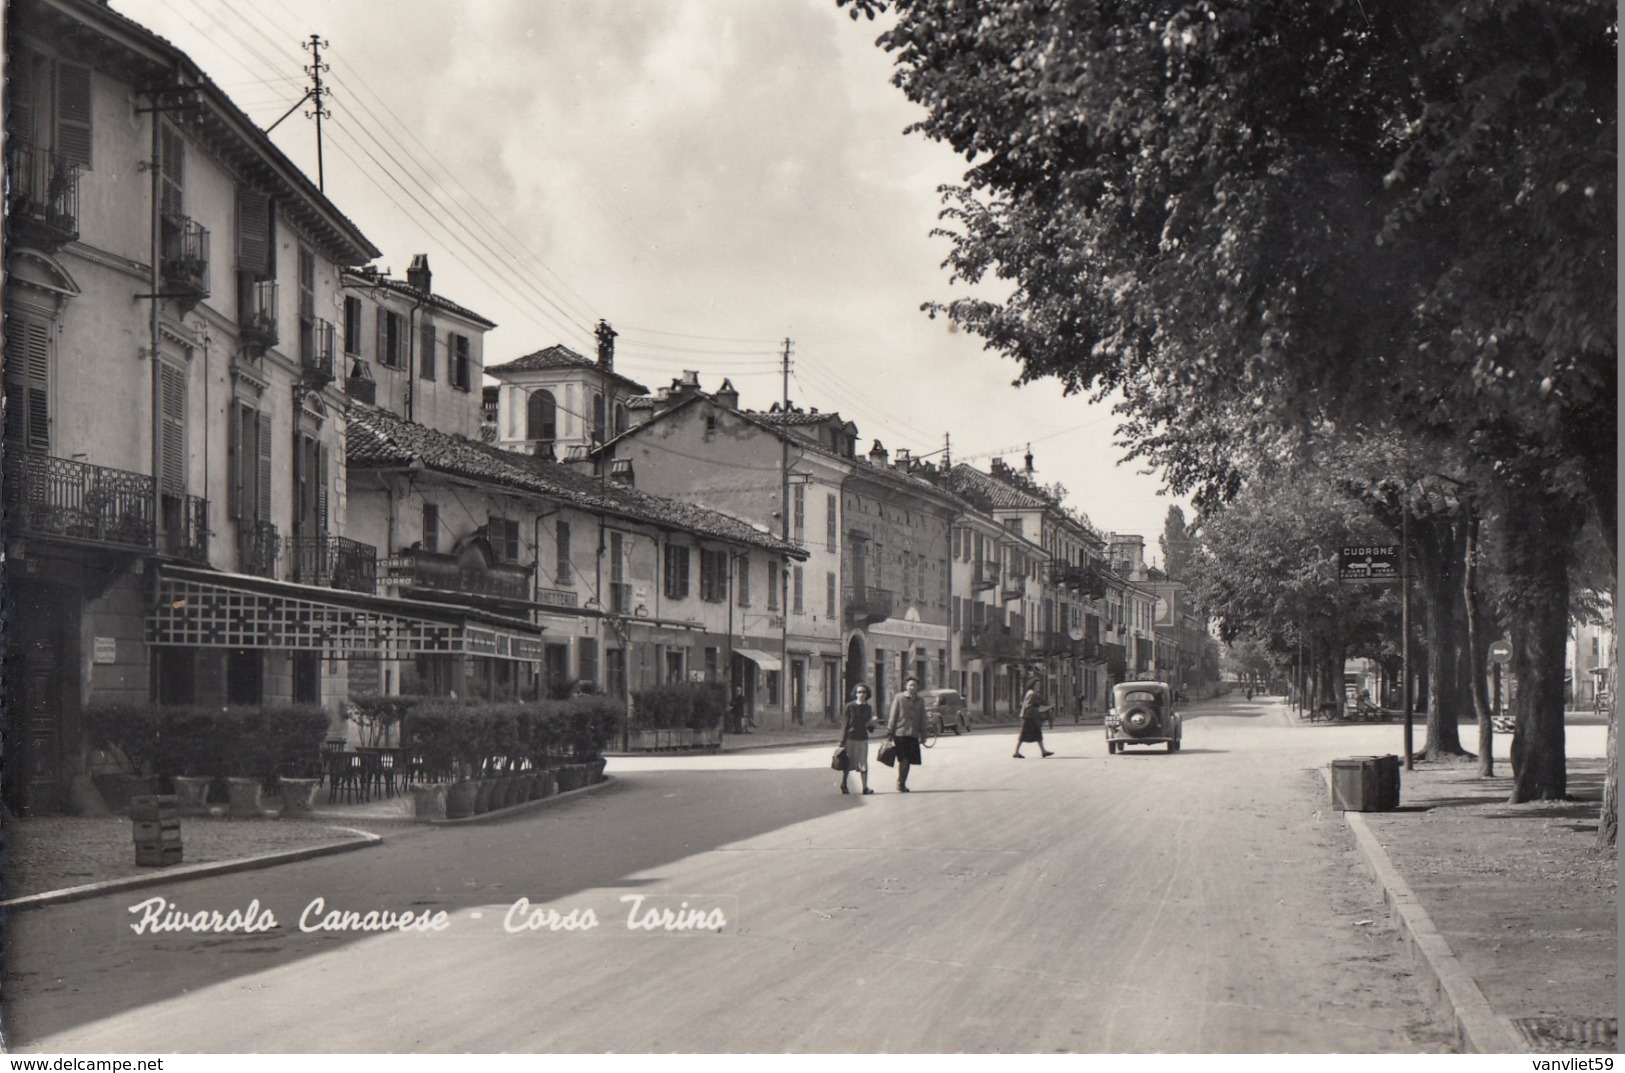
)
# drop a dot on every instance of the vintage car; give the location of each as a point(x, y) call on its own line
point(1142, 713)
point(945, 710)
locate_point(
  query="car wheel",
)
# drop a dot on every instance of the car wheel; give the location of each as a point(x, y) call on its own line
point(1173, 746)
point(1111, 748)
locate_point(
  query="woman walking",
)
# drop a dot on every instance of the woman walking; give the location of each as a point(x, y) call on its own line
point(1032, 721)
point(905, 727)
point(855, 736)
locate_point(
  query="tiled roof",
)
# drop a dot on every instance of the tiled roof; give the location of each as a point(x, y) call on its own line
point(560, 356)
point(435, 301)
point(378, 439)
point(986, 489)
point(793, 417)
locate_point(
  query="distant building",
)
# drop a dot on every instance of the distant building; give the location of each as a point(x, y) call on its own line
point(554, 401)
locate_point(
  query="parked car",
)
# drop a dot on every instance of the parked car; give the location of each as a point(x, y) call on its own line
point(1142, 713)
point(945, 710)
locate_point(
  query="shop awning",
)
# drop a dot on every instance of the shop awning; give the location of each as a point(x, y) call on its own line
point(207, 609)
point(761, 659)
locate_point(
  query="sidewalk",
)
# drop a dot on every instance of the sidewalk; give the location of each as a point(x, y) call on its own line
point(1509, 910)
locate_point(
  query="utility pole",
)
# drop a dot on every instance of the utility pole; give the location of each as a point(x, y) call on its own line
point(784, 527)
point(316, 44)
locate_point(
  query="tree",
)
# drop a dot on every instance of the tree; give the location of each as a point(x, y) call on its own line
point(1270, 225)
point(1176, 543)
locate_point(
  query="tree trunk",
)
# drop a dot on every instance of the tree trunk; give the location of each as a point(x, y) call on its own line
point(1476, 677)
point(1539, 529)
point(1608, 821)
point(1441, 554)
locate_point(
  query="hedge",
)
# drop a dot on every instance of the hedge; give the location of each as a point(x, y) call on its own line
point(167, 740)
point(467, 738)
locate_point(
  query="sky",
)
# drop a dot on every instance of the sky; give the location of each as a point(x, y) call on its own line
point(711, 177)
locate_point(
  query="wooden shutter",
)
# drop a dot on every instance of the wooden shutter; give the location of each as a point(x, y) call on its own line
point(28, 382)
point(73, 114)
point(254, 233)
point(236, 427)
point(172, 154)
point(172, 400)
point(799, 606)
point(829, 596)
point(561, 573)
point(426, 363)
point(383, 334)
point(430, 538)
point(262, 444)
point(321, 489)
point(21, 72)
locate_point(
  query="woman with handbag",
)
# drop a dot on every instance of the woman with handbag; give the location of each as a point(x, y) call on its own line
point(904, 729)
point(1032, 721)
point(855, 736)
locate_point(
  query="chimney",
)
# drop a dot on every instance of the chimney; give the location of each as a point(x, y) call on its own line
point(877, 453)
point(418, 275)
point(728, 395)
point(903, 459)
point(1029, 460)
point(606, 346)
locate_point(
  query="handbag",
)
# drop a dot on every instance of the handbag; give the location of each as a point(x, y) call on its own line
point(838, 761)
point(887, 754)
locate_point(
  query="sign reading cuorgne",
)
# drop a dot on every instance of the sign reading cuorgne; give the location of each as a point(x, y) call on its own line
point(1368, 562)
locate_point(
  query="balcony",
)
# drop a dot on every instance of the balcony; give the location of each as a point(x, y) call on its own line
point(1065, 575)
point(334, 562)
point(1057, 643)
point(184, 258)
point(416, 568)
point(42, 205)
point(258, 547)
point(360, 385)
point(1115, 657)
point(1013, 588)
point(256, 313)
point(997, 642)
point(316, 347)
point(866, 606)
point(986, 575)
point(186, 527)
point(59, 497)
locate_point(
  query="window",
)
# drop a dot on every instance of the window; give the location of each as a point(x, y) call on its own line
point(503, 535)
point(426, 363)
point(620, 418)
point(307, 305)
point(598, 418)
point(541, 417)
point(36, 83)
point(430, 538)
point(248, 465)
point(713, 576)
point(389, 339)
point(676, 572)
point(795, 591)
point(829, 596)
point(256, 245)
point(832, 534)
point(919, 577)
point(799, 497)
point(310, 488)
point(457, 362)
point(773, 583)
point(28, 382)
point(561, 538)
point(742, 586)
point(352, 325)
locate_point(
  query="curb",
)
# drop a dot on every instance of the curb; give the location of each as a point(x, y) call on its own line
point(515, 810)
point(362, 840)
point(1479, 1029)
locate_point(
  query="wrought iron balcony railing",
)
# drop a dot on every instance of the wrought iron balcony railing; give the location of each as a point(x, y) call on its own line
point(867, 604)
point(258, 548)
point(335, 562)
point(316, 346)
point(997, 642)
point(256, 312)
point(46, 496)
point(184, 262)
point(416, 568)
point(42, 202)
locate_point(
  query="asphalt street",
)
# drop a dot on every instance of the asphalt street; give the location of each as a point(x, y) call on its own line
point(1205, 901)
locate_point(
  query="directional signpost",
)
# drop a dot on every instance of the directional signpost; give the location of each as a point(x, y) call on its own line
point(1368, 562)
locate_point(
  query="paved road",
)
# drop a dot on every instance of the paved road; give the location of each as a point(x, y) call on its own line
point(1199, 902)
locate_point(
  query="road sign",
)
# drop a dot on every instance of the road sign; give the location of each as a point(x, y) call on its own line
point(1501, 652)
point(1368, 562)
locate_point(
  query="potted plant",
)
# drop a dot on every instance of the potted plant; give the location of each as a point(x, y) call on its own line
point(127, 735)
point(294, 735)
point(251, 762)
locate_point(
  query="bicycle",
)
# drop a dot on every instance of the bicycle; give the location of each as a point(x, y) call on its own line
point(933, 730)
